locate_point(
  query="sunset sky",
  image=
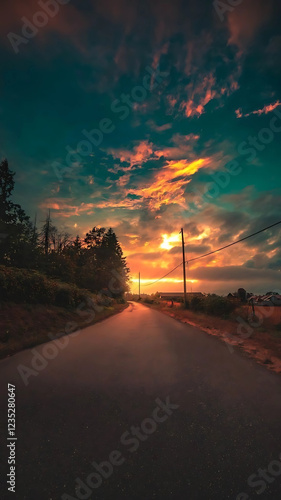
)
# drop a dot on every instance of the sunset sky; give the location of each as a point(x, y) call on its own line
point(149, 116)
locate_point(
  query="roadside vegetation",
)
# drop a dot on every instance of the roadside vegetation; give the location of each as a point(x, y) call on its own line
point(32, 287)
point(212, 304)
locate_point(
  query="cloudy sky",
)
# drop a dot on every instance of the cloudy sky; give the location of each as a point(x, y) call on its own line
point(148, 117)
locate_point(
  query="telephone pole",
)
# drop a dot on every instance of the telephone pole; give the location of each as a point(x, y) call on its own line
point(139, 287)
point(183, 263)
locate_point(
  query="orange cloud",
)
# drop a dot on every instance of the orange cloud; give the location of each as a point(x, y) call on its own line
point(128, 204)
point(64, 208)
point(239, 113)
point(123, 180)
point(159, 128)
point(168, 186)
point(183, 147)
point(263, 111)
point(140, 153)
point(199, 96)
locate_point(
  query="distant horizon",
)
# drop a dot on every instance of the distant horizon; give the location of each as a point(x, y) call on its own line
point(256, 291)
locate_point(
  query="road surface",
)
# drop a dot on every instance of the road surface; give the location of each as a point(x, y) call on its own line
point(173, 413)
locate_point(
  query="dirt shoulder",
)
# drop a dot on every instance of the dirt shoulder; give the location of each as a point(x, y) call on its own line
point(263, 342)
point(24, 325)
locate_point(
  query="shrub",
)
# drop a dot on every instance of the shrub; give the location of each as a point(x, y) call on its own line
point(213, 305)
point(148, 300)
point(218, 306)
point(196, 303)
point(22, 286)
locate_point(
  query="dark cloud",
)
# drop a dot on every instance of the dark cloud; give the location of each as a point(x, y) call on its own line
point(234, 273)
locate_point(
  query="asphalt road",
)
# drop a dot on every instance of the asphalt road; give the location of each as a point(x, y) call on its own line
point(178, 415)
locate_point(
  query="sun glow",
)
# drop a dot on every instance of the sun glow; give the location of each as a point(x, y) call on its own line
point(168, 239)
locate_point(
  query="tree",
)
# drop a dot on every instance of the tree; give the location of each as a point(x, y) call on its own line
point(17, 234)
point(94, 238)
point(112, 263)
point(76, 245)
point(47, 234)
point(77, 256)
point(242, 294)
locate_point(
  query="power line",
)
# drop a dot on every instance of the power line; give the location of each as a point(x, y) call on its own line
point(234, 242)
point(215, 251)
point(152, 283)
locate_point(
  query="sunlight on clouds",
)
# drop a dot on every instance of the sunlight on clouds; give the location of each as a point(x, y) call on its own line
point(203, 235)
point(182, 167)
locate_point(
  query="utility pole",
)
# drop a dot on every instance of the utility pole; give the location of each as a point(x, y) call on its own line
point(139, 287)
point(183, 263)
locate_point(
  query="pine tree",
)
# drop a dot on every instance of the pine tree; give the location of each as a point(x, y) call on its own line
point(112, 262)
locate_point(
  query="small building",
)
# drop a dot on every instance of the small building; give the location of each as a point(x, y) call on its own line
point(266, 300)
point(274, 299)
point(179, 295)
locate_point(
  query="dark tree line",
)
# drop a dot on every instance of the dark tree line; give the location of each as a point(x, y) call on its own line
point(91, 262)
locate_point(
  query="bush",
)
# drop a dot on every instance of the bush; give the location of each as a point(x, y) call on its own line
point(197, 304)
point(21, 286)
point(148, 300)
point(218, 306)
point(213, 305)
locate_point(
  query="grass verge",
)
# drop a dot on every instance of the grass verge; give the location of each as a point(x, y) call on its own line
point(261, 343)
point(25, 325)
